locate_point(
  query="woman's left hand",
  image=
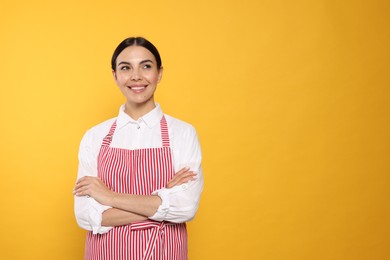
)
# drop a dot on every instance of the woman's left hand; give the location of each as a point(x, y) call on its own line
point(95, 188)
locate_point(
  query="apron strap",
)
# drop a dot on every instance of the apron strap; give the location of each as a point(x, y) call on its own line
point(164, 132)
point(107, 140)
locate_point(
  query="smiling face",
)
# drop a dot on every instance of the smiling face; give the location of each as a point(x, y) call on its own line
point(137, 76)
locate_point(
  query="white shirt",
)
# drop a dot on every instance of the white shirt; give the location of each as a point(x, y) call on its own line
point(180, 203)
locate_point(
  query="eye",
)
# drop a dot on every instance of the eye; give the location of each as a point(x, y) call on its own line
point(147, 66)
point(124, 68)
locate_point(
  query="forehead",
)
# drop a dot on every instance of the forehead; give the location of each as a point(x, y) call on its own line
point(135, 53)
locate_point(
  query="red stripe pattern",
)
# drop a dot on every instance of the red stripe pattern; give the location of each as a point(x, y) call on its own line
point(141, 172)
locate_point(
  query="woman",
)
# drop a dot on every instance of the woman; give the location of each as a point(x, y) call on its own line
point(127, 193)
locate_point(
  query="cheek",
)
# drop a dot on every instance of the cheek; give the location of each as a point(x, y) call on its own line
point(153, 79)
point(121, 79)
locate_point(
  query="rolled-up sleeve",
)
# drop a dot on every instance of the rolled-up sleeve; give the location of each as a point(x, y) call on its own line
point(88, 211)
point(180, 203)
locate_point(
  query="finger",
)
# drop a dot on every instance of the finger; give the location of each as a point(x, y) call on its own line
point(180, 179)
point(180, 182)
point(86, 179)
point(177, 176)
point(183, 170)
point(81, 192)
point(81, 184)
point(82, 179)
point(78, 189)
point(183, 174)
point(185, 178)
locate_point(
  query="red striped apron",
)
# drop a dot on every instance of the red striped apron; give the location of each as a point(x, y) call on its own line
point(141, 172)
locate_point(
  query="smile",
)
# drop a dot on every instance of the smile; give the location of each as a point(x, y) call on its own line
point(137, 88)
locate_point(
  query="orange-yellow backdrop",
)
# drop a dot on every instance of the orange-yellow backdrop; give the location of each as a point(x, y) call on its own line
point(290, 100)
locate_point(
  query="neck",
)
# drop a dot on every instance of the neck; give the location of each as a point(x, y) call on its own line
point(136, 111)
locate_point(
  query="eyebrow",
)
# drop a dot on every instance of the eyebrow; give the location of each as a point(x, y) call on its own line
point(128, 63)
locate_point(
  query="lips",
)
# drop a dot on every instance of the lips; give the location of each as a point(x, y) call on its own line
point(137, 88)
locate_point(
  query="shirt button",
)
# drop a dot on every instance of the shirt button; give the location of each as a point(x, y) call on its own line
point(184, 186)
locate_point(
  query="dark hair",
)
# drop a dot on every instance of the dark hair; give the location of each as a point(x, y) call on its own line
point(137, 41)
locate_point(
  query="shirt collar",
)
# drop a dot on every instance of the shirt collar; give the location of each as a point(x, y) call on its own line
point(150, 119)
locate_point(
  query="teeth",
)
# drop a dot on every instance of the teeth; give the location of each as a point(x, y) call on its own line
point(137, 88)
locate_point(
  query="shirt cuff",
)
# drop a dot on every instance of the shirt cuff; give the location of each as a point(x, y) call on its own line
point(162, 210)
point(165, 196)
point(95, 217)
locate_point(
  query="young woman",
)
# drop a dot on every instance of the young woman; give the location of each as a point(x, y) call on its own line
point(139, 177)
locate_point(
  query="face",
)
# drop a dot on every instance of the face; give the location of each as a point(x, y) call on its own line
point(137, 76)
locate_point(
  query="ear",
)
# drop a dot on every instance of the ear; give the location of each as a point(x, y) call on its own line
point(160, 73)
point(114, 74)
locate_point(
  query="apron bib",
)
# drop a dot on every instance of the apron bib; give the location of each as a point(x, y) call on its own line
point(140, 172)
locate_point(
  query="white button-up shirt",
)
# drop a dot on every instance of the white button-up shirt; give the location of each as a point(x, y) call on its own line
point(180, 203)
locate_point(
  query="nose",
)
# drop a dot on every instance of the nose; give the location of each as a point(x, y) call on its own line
point(135, 75)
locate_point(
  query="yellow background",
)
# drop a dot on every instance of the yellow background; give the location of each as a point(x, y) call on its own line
point(290, 100)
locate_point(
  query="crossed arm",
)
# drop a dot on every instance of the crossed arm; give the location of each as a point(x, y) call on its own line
point(126, 208)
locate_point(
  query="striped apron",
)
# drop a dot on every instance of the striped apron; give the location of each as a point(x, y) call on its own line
point(140, 172)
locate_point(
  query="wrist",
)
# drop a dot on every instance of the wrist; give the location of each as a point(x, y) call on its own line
point(112, 198)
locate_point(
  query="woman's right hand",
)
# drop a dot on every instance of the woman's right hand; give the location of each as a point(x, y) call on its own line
point(181, 177)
